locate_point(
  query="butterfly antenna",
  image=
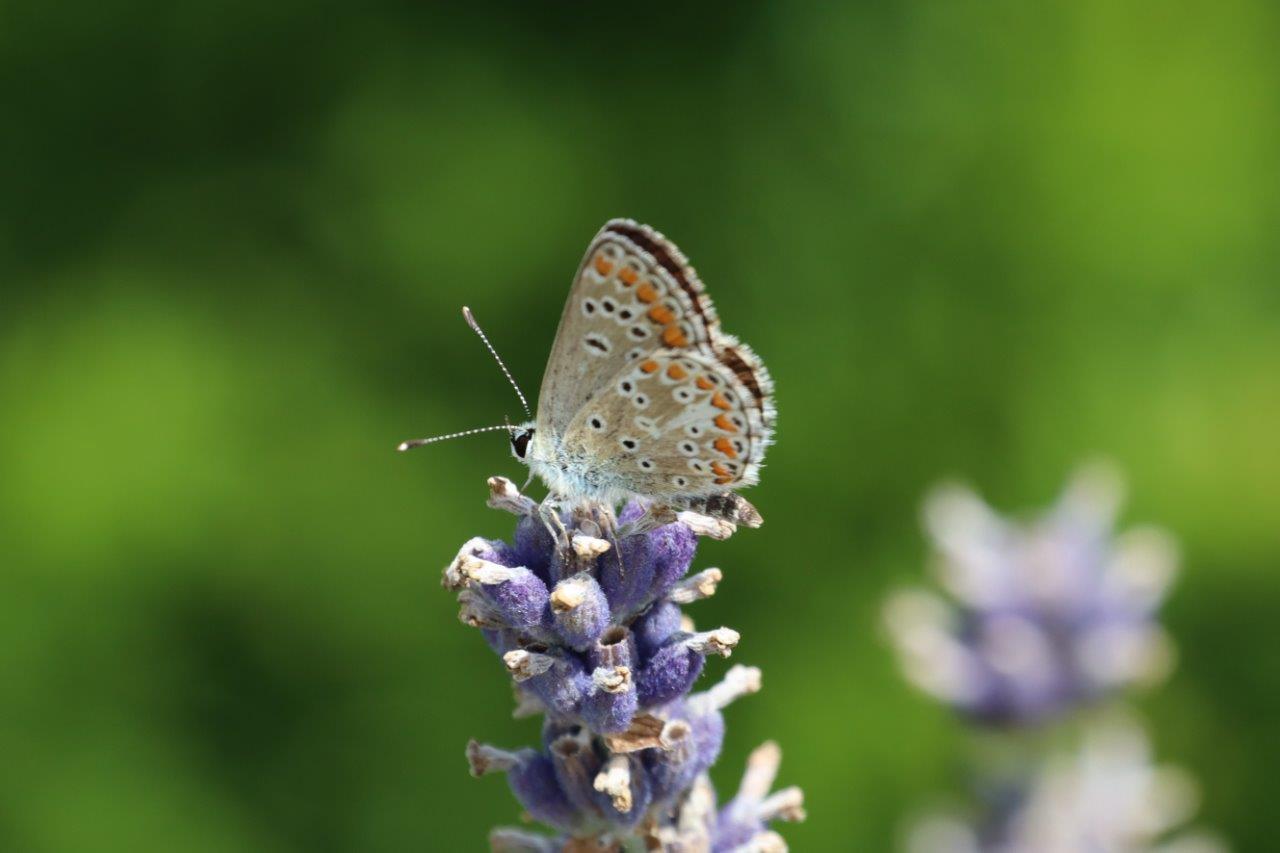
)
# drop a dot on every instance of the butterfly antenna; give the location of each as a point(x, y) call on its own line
point(475, 327)
point(419, 442)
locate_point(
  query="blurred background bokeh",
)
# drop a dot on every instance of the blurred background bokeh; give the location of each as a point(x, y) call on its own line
point(975, 240)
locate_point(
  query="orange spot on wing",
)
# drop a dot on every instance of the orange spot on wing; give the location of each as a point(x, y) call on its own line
point(649, 366)
point(628, 276)
point(723, 445)
point(723, 481)
point(603, 265)
point(676, 372)
point(673, 337)
point(723, 477)
point(725, 424)
point(704, 383)
point(646, 292)
point(661, 314)
point(718, 400)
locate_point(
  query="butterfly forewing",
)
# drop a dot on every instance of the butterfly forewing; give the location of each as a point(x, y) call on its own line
point(633, 294)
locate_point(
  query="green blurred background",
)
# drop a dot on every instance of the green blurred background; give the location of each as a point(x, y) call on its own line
point(971, 239)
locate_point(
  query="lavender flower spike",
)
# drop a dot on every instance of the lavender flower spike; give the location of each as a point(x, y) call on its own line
point(584, 610)
point(1107, 796)
point(1043, 617)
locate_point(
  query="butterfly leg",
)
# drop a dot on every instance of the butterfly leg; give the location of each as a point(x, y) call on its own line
point(549, 514)
point(608, 523)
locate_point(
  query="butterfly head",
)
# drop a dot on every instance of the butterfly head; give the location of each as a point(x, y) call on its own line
point(521, 436)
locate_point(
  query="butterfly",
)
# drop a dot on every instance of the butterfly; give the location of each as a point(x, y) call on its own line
point(643, 396)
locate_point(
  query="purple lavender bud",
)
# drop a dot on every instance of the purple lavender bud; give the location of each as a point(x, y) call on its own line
point(535, 787)
point(532, 778)
point(623, 790)
point(579, 610)
point(612, 703)
point(669, 674)
point(651, 564)
point(559, 680)
point(671, 671)
point(692, 742)
point(477, 552)
point(576, 765)
point(533, 546)
point(517, 595)
point(556, 727)
point(501, 553)
point(655, 627)
point(744, 822)
point(673, 547)
point(614, 648)
point(627, 585)
point(708, 737)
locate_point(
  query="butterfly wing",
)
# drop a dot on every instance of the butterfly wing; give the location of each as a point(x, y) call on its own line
point(634, 292)
point(678, 424)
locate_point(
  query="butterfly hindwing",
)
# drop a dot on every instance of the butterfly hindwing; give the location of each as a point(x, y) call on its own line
point(678, 424)
point(633, 293)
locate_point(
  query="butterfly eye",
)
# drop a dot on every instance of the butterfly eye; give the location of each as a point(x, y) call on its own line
point(520, 442)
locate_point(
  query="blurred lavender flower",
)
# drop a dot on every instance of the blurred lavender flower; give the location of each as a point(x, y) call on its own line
point(1044, 619)
point(1045, 616)
point(1107, 797)
point(588, 622)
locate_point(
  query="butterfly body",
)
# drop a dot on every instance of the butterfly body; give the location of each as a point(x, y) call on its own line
point(643, 396)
